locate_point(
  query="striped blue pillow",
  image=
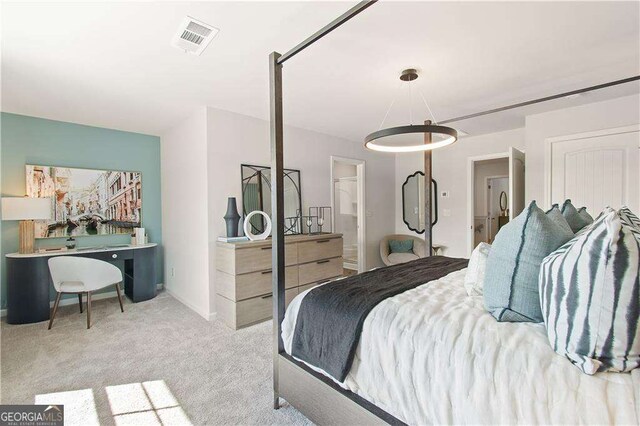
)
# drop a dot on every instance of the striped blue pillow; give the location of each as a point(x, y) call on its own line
point(510, 287)
point(590, 296)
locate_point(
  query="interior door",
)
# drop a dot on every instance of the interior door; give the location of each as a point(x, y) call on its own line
point(596, 172)
point(516, 182)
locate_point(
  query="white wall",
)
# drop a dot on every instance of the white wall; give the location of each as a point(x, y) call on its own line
point(450, 171)
point(185, 212)
point(234, 139)
point(596, 116)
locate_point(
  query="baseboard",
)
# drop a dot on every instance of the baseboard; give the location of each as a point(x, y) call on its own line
point(213, 316)
point(187, 304)
point(74, 300)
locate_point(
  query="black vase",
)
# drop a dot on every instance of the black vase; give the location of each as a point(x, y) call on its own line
point(232, 218)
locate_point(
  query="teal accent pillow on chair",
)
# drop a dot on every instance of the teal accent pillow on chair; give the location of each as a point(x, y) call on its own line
point(511, 280)
point(576, 218)
point(401, 246)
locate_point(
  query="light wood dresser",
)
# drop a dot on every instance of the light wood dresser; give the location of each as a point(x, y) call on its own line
point(243, 274)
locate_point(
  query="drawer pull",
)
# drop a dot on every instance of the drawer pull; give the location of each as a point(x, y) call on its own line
point(265, 272)
point(266, 248)
point(322, 241)
point(267, 296)
point(322, 261)
point(115, 256)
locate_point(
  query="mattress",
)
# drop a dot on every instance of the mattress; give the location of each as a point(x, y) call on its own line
point(434, 355)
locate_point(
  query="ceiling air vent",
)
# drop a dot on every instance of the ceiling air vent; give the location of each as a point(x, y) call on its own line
point(193, 36)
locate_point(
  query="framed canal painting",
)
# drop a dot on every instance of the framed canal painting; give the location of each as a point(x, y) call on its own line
point(86, 202)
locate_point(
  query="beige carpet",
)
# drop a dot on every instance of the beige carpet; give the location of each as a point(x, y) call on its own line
point(158, 363)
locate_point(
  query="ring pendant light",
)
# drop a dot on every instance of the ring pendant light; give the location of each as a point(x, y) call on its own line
point(439, 136)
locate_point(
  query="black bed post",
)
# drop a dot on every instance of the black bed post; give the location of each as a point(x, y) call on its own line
point(428, 237)
point(277, 213)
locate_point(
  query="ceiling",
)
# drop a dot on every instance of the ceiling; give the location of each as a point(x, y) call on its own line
point(112, 65)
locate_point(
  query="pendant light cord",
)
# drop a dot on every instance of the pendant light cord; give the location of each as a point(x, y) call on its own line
point(390, 106)
point(428, 108)
point(411, 102)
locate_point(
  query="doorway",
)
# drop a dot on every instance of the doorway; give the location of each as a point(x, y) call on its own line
point(496, 189)
point(495, 194)
point(347, 207)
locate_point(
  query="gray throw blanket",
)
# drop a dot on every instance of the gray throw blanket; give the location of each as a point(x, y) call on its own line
point(331, 316)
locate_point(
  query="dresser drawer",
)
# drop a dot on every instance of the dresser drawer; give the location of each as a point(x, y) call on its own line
point(319, 270)
point(319, 249)
point(250, 311)
point(246, 286)
point(254, 259)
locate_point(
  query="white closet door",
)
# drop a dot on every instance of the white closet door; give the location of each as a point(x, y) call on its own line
point(597, 171)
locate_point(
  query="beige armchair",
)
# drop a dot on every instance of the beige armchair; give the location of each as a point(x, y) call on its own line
point(419, 249)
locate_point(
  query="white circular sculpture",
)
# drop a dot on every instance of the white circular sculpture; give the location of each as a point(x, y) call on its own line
point(247, 226)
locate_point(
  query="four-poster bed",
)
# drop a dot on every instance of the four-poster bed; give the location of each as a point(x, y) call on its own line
point(310, 389)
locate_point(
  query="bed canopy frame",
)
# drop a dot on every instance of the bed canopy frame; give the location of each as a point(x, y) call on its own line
point(315, 395)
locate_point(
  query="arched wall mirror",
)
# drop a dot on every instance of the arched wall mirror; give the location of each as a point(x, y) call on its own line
point(256, 195)
point(413, 202)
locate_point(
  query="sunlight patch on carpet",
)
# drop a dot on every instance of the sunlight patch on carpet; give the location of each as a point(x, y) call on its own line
point(146, 403)
point(79, 406)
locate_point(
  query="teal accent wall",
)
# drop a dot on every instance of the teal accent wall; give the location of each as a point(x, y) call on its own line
point(30, 140)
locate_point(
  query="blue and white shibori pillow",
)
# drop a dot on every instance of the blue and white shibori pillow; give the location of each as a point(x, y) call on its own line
point(590, 295)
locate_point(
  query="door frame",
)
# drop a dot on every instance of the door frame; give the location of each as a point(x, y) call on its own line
point(361, 184)
point(471, 171)
point(548, 148)
point(487, 198)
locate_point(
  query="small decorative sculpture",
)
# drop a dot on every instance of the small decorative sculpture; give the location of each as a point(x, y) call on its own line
point(319, 216)
point(232, 218)
point(267, 226)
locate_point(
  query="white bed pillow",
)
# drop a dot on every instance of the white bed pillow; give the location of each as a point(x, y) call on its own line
point(590, 296)
point(474, 278)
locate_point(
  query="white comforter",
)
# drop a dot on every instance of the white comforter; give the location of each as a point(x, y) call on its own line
point(433, 355)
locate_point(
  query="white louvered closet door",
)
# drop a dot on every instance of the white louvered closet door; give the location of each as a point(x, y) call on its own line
point(597, 171)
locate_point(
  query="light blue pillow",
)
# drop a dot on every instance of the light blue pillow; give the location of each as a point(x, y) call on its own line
point(577, 219)
point(555, 215)
point(401, 246)
point(511, 280)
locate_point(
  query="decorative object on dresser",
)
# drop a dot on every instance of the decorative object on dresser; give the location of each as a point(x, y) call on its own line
point(26, 210)
point(243, 275)
point(320, 216)
point(267, 226)
point(256, 195)
point(232, 217)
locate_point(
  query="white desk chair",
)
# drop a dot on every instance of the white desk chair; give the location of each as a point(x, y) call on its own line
point(78, 275)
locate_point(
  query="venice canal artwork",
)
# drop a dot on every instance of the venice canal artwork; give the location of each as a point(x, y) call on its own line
point(86, 202)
